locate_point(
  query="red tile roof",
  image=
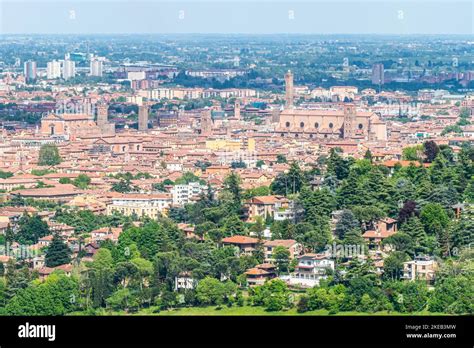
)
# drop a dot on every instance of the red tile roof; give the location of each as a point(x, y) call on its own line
point(240, 240)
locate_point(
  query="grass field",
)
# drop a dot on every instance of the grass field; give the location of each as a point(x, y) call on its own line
point(255, 311)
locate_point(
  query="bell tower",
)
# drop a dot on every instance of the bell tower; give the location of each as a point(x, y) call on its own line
point(102, 119)
point(350, 120)
point(142, 118)
point(237, 110)
point(289, 89)
point(102, 114)
point(206, 122)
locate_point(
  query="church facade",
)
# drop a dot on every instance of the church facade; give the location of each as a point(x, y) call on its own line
point(77, 124)
point(342, 122)
point(68, 124)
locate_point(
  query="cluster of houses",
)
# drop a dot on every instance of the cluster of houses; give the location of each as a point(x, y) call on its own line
point(309, 268)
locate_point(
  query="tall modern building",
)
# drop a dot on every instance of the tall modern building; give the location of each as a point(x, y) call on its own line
point(96, 67)
point(53, 70)
point(69, 69)
point(30, 71)
point(378, 74)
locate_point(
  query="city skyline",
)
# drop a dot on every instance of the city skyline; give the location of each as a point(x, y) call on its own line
point(248, 158)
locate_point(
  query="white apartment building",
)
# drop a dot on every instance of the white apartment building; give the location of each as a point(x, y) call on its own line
point(53, 70)
point(69, 69)
point(288, 213)
point(183, 194)
point(310, 270)
point(96, 67)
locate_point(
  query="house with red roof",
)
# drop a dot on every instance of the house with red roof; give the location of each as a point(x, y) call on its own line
point(259, 274)
point(292, 245)
point(245, 244)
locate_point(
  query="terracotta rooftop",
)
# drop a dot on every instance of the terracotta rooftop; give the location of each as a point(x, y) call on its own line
point(280, 242)
point(240, 240)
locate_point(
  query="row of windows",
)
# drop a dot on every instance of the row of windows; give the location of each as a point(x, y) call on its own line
point(297, 135)
point(316, 125)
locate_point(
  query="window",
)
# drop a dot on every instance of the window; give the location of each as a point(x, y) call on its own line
point(301, 124)
point(361, 126)
point(331, 125)
point(316, 125)
point(287, 124)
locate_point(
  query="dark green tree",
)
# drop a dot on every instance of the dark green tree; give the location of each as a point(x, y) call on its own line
point(58, 252)
point(430, 150)
point(31, 228)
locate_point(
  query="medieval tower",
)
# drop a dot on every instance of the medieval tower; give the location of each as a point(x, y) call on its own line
point(206, 122)
point(102, 119)
point(142, 118)
point(289, 90)
point(350, 121)
point(237, 110)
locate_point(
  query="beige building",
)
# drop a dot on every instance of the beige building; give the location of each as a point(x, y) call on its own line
point(141, 204)
point(264, 206)
point(68, 124)
point(295, 248)
point(421, 268)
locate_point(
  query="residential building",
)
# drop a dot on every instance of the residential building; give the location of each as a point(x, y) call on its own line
point(141, 204)
point(53, 70)
point(259, 274)
point(421, 268)
point(69, 69)
point(264, 206)
point(289, 212)
point(96, 67)
point(292, 245)
point(310, 270)
point(384, 228)
point(246, 245)
point(183, 194)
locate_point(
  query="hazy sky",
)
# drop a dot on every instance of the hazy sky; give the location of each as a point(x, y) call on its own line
point(244, 16)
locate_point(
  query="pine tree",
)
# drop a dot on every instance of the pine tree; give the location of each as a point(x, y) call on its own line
point(232, 185)
point(58, 252)
point(414, 228)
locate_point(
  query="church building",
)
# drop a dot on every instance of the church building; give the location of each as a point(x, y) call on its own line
point(343, 122)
